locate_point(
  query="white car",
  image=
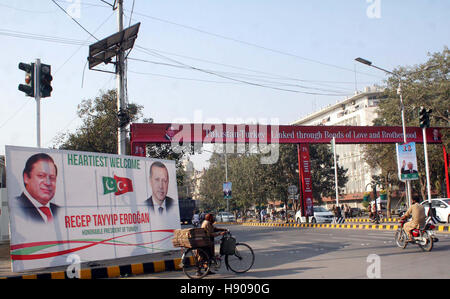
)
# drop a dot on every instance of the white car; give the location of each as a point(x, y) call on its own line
point(225, 217)
point(442, 206)
point(321, 215)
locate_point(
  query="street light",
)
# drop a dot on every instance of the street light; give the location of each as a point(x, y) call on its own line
point(399, 92)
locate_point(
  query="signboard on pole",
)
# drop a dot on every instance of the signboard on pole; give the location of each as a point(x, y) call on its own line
point(227, 190)
point(407, 161)
point(292, 189)
point(96, 206)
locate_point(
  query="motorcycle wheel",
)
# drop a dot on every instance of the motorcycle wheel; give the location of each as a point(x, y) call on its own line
point(400, 238)
point(428, 244)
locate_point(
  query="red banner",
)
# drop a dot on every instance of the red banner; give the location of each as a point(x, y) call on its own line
point(306, 180)
point(142, 134)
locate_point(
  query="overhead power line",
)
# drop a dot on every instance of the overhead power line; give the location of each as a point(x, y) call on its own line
point(46, 38)
point(60, 7)
point(229, 77)
point(251, 44)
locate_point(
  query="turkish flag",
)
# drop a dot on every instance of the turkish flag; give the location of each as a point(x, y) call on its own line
point(124, 185)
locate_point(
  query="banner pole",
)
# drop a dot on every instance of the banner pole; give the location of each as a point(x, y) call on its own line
point(335, 171)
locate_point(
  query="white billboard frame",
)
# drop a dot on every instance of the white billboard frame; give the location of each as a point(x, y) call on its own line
point(103, 206)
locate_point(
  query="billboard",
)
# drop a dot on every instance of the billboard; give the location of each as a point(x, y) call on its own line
point(97, 206)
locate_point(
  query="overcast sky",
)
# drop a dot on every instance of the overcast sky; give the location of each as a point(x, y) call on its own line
point(211, 60)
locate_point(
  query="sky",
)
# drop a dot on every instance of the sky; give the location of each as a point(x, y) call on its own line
point(233, 61)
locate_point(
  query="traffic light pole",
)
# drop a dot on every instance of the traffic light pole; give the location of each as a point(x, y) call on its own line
point(37, 97)
point(427, 171)
point(122, 132)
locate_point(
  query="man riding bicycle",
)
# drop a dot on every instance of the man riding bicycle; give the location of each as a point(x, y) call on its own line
point(212, 232)
point(417, 212)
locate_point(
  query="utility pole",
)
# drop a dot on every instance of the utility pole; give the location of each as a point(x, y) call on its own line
point(102, 52)
point(402, 107)
point(120, 71)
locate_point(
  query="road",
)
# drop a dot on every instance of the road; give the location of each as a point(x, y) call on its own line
point(296, 253)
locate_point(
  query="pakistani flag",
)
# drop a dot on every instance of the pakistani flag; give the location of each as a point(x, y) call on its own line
point(117, 185)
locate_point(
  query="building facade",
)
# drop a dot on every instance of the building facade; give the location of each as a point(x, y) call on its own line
point(358, 110)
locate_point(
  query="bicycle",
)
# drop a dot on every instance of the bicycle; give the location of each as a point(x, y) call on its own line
point(239, 258)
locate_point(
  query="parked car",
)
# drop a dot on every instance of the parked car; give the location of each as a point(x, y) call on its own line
point(442, 207)
point(225, 217)
point(321, 215)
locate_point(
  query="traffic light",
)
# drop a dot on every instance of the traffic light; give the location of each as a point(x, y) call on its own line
point(45, 80)
point(27, 88)
point(424, 117)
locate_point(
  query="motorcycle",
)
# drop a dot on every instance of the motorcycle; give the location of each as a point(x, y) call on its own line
point(424, 237)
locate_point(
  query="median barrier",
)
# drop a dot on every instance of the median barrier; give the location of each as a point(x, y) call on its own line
point(109, 271)
point(439, 228)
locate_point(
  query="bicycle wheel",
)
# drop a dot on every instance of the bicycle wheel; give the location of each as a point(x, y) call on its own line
point(242, 259)
point(195, 263)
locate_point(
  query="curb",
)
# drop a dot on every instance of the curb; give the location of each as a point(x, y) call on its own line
point(439, 228)
point(110, 271)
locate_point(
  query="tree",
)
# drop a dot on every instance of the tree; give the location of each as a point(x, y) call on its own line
point(98, 132)
point(255, 183)
point(211, 185)
point(383, 157)
point(322, 171)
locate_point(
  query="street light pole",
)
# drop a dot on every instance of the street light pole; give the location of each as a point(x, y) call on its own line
point(402, 108)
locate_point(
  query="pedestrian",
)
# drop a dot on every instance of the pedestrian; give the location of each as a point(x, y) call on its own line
point(263, 215)
point(196, 219)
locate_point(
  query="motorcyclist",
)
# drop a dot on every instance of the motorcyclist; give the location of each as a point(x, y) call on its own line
point(417, 212)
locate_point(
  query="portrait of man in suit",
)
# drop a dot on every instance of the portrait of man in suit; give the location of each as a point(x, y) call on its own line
point(410, 168)
point(159, 202)
point(39, 179)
